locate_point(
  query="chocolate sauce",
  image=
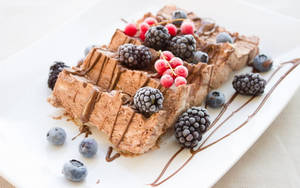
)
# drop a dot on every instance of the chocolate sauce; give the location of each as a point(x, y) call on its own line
point(110, 158)
point(158, 180)
point(85, 116)
point(124, 133)
point(114, 124)
point(100, 71)
point(209, 82)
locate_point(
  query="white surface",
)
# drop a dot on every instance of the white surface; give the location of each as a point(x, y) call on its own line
point(69, 48)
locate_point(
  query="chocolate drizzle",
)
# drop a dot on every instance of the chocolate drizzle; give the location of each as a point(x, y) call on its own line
point(209, 82)
point(110, 158)
point(87, 110)
point(124, 133)
point(158, 180)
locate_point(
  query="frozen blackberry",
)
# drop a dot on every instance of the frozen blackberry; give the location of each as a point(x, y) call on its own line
point(148, 100)
point(191, 125)
point(249, 84)
point(178, 14)
point(55, 69)
point(133, 56)
point(184, 47)
point(157, 37)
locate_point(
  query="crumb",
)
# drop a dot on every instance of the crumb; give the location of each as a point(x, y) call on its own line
point(57, 117)
point(98, 181)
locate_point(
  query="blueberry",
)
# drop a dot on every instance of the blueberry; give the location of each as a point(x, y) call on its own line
point(178, 14)
point(215, 99)
point(224, 37)
point(262, 63)
point(88, 147)
point(74, 170)
point(200, 57)
point(56, 136)
point(88, 49)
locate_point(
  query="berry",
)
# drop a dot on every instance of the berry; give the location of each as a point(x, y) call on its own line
point(191, 125)
point(167, 55)
point(215, 99)
point(134, 56)
point(183, 46)
point(187, 28)
point(144, 27)
point(148, 100)
point(88, 49)
point(249, 84)
point(262, 63)
point(179, 80)
point(56, 136)
point(55, 69)
point(178, 14)
point(88, 147)
point(130, 29)
point(172, 29)
point(200, 57)
point(224, 37)
point(175, 62)
point(74, 171)
point(166, 80)
point(142, 36)
point(157, 37)
point(181, 71)
point(150, 21)
point(161, 66)
point(169, 72)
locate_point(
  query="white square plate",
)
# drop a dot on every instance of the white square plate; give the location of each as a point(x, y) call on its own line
point(27, 160)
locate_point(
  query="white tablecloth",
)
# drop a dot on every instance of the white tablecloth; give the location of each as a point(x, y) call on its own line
point(274, 161)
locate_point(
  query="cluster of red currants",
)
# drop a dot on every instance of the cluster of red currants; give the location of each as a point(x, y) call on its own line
point(171, 70)
point(187, 27)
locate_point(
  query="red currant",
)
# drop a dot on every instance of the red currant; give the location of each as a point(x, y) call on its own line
point(187, 28)
point(181, 71)
point(180, 81)
point(142, 36)
point(167, 55)
point(150, 21)
point(175, 62)
point(130, 29)
point(166, 80)
point(169, 72)
point(161, 66)
point(144, 27)
point(172, 29)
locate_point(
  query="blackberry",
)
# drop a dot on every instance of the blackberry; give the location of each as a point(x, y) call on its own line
point(148, 100)
point(249, 84)
point(191, 125)
point(55, 69)
point(178, 14)
point(134, 56)
point(184, 47)
point(157, 37)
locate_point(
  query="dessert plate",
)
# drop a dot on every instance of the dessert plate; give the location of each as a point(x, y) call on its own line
point(27, 160)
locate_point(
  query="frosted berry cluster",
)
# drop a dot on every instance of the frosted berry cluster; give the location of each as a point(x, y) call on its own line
point(171, 70)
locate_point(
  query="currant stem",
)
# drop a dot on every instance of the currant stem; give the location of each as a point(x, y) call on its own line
point(164, 58)
point(170, 21)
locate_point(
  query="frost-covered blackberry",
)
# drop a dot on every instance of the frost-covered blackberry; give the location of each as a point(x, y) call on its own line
point(191, 125)
point(183, 46)
point(148, 100)
point(55, 69)
point(249, 84)
point(133, 56)
point(157, 37)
